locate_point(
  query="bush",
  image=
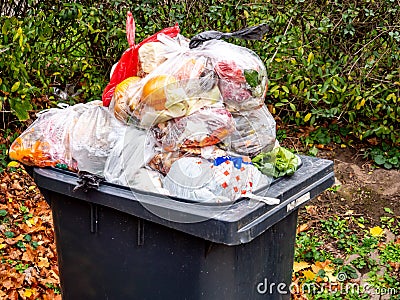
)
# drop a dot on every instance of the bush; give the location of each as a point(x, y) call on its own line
point(328, 61)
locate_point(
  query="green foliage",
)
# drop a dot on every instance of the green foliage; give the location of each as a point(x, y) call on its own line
point(308, 248)
point(3, 157)
point(383, 276)
point(386, 156)
point(21, 267)
point(337, 61)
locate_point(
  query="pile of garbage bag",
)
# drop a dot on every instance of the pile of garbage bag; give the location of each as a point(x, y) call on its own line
point(180, 117)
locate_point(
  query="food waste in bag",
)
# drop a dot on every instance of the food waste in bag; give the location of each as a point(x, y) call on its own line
point(176, 81)
point(162, 160)
point(47, 141)
point(179, 117)
point(255, 132)
point(205, 127)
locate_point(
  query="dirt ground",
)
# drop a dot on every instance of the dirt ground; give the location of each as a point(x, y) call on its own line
point(363, 189)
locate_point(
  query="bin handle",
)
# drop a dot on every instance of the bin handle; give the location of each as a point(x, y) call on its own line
point(266, 200)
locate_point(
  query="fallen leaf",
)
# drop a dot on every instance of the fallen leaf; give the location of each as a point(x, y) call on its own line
point(373, 141)
point(329, 269)
point(19, 238)
point(28, 293)
point(16, 186)
point(324, 147)
point(302, 227)
point(8, 284)
point(298, 266)
point(43, 262)
point(330, 276)
point(376, 231)
point(310, 275)
point(395, 265)
point(312, 210)
point(323, 264)
point(13, 164)
point(316, 268)
point(13, 295)
point(28, 255)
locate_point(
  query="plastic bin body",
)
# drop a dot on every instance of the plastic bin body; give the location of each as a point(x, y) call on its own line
point(112, 246)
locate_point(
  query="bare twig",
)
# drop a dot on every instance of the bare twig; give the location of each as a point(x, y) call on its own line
point(277, 49)
point(358, 51)
point(377, 62)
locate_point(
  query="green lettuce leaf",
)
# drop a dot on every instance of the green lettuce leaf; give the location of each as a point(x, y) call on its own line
point(277, 163)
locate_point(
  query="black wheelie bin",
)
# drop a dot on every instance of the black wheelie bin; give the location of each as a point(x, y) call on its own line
point(119, 243)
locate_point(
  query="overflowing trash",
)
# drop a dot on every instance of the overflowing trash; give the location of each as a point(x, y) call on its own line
point(179, 117)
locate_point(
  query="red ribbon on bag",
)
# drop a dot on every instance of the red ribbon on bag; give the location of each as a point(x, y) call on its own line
point(129, 61)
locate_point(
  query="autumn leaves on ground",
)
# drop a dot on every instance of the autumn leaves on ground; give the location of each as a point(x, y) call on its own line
point(28, 268)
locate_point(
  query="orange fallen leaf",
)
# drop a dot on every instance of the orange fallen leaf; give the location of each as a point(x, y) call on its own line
point(8, 284)
point(19, 237)
point(302, 228)
point(309, 275)
point(43, 262)
point(395, 265)
point(13, 295)
point(316, 268)
point(321, 146)
point(323, 264)
point(28, 255)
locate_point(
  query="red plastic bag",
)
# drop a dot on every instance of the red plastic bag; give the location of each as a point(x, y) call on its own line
point(128, 64)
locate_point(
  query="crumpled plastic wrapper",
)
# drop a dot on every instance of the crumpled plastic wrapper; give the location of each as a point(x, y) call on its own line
point(255, 132)
point(206, 127)
point(225, 180)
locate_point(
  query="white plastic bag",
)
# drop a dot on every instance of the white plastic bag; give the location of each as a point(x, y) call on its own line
point(94, 136)
point(132, 152)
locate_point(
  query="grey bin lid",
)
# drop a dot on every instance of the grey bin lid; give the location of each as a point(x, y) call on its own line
point(230, 224)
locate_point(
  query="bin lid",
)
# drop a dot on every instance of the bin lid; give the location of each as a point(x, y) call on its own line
point(231, 224)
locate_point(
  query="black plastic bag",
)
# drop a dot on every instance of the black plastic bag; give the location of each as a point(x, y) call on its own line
point(250, 33)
